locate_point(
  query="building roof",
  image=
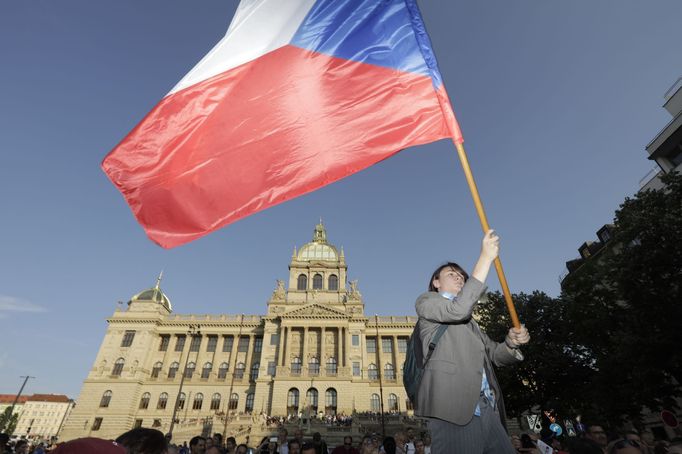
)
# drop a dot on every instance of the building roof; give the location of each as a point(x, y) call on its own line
point(319, 248)
point(48, 398)
point(9, 399)
point(154, 294)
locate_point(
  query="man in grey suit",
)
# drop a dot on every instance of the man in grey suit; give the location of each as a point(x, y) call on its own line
point(459, 393)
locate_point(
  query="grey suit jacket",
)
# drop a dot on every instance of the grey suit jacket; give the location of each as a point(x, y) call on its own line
point(451, 383)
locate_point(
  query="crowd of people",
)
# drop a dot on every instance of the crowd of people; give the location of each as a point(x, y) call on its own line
point(595, 440)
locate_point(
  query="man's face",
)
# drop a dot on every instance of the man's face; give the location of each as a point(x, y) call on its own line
point(213, 450)
point(230, 445)
point(23, 449)
point(241, 450)
point(597, 434)
point(347, 443)
point(410, 434)
point(419, 447)
point(199, 448)
point(298, 434)
point(449, 280)
point(295, 448)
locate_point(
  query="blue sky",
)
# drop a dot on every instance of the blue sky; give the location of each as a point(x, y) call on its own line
point(557, 101)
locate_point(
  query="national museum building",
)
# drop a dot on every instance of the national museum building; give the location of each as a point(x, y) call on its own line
point(313, 351)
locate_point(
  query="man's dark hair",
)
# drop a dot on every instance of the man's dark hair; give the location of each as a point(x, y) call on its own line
point(294, 441)
point(307, 446)
point(143, 441)
point(389, 445)
point(583, 446)
point(4, 438)
point(20, 443)
point(436, 273)
point(194, 441)
point(231, 440)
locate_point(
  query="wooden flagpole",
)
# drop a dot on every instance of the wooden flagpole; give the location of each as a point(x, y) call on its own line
point(484, 223)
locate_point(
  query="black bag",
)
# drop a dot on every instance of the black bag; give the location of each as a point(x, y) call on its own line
point(414, 361)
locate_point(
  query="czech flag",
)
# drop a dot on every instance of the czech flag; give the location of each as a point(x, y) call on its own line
point(298, 94)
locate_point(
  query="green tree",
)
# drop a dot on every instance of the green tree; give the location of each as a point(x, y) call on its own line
point(8, 422)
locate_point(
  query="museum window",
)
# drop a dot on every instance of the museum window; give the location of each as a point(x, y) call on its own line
point(163, 401)
point(371, 345)
point(233, 402)
point(165, 341)
point(355, 339)
point(402, 344)
point(302, 282)
point(222, 371)
point(331, 366)
point(257, 344)
point(212, 343)
point(387, 345)
point(180, 342)
point(296, 366)
point(375, 403)
point(227, 344)
point(118, 367)
point(317, 282)
point(330, 401)
point(156, 423)
point(215, 402)
point(180, 405)
point(239, 371)
point(156, 370)
point(206, 370)
point(138, 424)
point(128, 338)
point(243, 344)
point(356, 369)
point(173, 370)
point(333, 282)
point(195, 344)
point(249, 403)
point(254, 371)
point(106, 398)
point(408, 404)
point(274, 339)
point(198, 401)
point(314, 366)
point(389, 372)
point(372, 373)
point(189, 370)
point(97, 424)
point(292, 402)
point(144, 401)
point(272, 368)
point(392, 402)
point(311, 396)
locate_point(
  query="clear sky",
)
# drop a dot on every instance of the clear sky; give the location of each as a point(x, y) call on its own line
point(557, 100)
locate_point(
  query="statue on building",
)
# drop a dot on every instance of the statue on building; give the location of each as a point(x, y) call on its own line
point(279, 293)
point(353, 292)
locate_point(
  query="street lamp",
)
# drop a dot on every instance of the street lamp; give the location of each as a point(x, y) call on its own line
point(379, 366)
point(194, 330)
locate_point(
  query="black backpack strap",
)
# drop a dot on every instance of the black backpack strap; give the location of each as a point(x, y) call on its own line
point(432, 345)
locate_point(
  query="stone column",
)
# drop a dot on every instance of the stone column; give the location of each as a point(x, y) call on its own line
point(249, 356)
point(339, 350)
point(286, 345)
point(280, 351)
point(396, 360)
point(323, 350)
point(304, 354)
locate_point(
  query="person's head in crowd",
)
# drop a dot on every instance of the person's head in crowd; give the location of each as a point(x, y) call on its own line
point(662, 447)
point(213, 450)
point(419, 446)
point(389, 445)
point(242, 449)
point(623, 446)
point(294, 446)
point(584, 446)
point(282, 434)
point(427, 439)
point(298, 434)
point(218, 439)
point(410, 434)
point(209, 443)
point(272, 446)
point(197, 445)
point(308, 448)
point(230, 444)
point(86, 445)
point(4, 439)
point(347, 443)
point(317, 438)
point(596, 433)
point(21, 447)
point(172, 449)
point(400, 439)
point(144, 441)
point(633, 435)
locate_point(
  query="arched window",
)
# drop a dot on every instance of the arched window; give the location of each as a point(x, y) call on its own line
point(222, 370)
point(206, 370)
point(156, 370)
point(189, 370)
point(392, 402)
point(254, 371)
point(302, 283)
point(234, 401)
point(317, 282)
point(249, 403)
point(296, 366)
point(330, 401)
point(389, 372)
point(144, 401)
point(106, 398)
point(372, 372)
point(163, 400)
point(181, 401)
point(292, 402)
point(215, 402)
point(172, 372)
point(375, 403)
point(311, 396)
point(314, 366)
point(333, 282)
point(331, 366)
point(118, 367)
point(198, 401)
point(239, 371)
